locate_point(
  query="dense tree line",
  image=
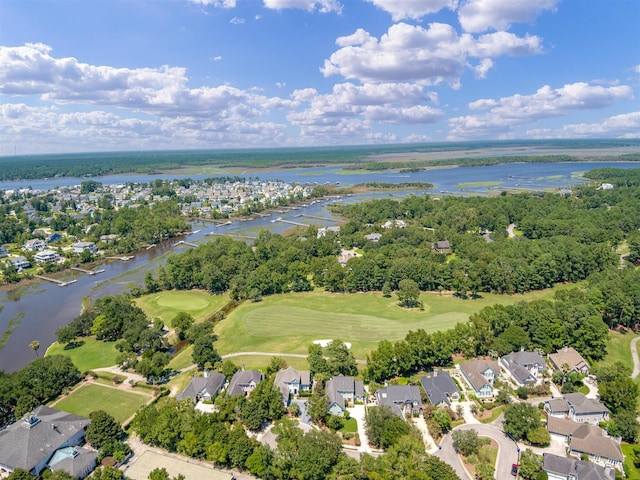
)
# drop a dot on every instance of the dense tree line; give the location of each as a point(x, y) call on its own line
point(314, 455)
point(40, 381)
point(564, 239)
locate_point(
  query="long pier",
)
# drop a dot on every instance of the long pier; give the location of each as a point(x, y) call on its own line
point(88, 272)
point(211, 220)
point(126, 258)
point(317, 217)
point(60, 283)
point(279, 219)
point(182, 242)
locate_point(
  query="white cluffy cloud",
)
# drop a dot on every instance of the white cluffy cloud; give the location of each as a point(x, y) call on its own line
point(626, 125)
point(412, 9)
point(216, 3)
point(430, 55)
point(482, 15)
point(323, 6)
point(503, 114)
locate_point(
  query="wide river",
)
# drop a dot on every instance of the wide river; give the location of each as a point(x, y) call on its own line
point(34, 312)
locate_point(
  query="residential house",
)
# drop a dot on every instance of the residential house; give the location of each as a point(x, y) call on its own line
point(53, 237)
point(203, 388)
point(20, 263)
point(341, 391)
point(46, 256)
point(569, 357)
point(32, 442)
point(582, 438)
point(563, 468)
point(394, 223)
point(77, 461)
point(441, 246)
point(373, 237)
point(34, 245)
point(440, 388)
point(577, 407)
point(291, 382)
point(404, 400)
point(244, 382)
point(479, 375)
point(523, 368)
point(80, 247)
point(4, 252)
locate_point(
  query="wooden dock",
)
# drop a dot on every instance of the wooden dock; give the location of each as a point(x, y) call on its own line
point(182, 242)
point(88, 272)
point(60, 283)
point(126, 258)
point(317, 217)
point(279, 219)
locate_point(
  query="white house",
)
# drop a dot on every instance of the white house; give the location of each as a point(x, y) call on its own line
point(46, 256)
point(80, 247)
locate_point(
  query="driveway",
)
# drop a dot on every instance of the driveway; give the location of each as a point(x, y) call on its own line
point(357, 412)
point(507, 454)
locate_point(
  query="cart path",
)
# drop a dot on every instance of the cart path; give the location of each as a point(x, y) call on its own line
point(634, 356)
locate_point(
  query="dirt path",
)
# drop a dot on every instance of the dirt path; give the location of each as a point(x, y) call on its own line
point(634, 356)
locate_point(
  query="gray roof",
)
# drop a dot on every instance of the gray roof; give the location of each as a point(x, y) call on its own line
point(25, 443)
point(203, 386)
point(74, 460)
point(583, 405)
point(513, 363)
point(558, 406)
point(397, 396)
point(586, 438)
point(526, 359)
point(288, 376)
point(439, 387)
point(241, 379)
point(581, 470)
point(340, 384)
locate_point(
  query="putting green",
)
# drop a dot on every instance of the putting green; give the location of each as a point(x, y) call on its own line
point(180, 302)
point(166, 305)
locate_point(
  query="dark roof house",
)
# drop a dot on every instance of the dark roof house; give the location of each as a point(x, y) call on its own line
point(572, 469)
point(524, 368)
point(291, 381)
point(32, 441)
point(578, 407)
point(76, 461)
point(244, 381)
point(342, 390)
point(203, 388)
point(440, 388)
point(403, 399)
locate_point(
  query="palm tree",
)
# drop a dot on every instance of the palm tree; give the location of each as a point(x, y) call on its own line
point(35, 345)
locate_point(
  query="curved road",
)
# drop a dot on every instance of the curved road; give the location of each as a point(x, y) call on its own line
point(634, 356)
point(507, 455)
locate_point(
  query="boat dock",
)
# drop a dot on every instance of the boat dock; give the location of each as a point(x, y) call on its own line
point(60, 283)
point(182, 242)
point(126, 258)
point(279, 219)
point(317, 217)
point(232, 235)
point(88, 272)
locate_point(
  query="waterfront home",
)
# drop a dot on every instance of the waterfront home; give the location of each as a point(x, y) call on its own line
point(4, 252)
point(46, 256)
point(20, 263)
point(34, 245)
point(80, 247)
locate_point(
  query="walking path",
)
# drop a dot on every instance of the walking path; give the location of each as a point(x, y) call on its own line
point(510, 230)
point(634, 356)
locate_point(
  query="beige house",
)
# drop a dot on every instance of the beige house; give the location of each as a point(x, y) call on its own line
point(571, 357)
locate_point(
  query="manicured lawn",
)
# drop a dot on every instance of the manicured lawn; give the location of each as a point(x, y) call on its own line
point(628, 451)
point(350, 426)
point(182, 359)
point(619, 349)
point(165, 305)
point(261, 362)
point(289, 323)
point(91, 354)
point(119, 404)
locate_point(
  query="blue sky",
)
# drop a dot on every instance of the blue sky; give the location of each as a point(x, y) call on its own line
point(110, 75)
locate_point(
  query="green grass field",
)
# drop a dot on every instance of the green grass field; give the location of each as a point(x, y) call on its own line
point(91, 354)
point(182, 359)
point(632, 471)
point(289, 323)
point(118, 403)
point(619, 349)
point(165, 305)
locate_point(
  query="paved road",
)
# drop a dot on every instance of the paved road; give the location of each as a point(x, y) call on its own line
point(507, 455)
point(634, 356)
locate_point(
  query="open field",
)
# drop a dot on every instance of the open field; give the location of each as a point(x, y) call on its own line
point(165, 305)
point(118, 403)
point(628, 451)
point(262, 361)
point(91, 354)
point(289, 323)
point(182, 359)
